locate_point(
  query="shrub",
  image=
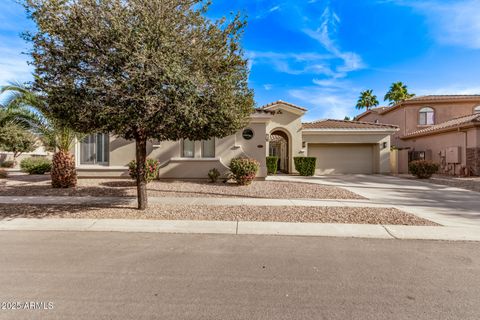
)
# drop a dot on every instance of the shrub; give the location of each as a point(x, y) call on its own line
point(272, 163)
point(244, 170)
point(213, 175)
point(36, 165)
point(305, 165)
point(3, 173)
point(7, 164)
point(151, 172)
point(423, 169)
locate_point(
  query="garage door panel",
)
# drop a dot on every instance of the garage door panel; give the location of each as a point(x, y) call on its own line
point(342, 158)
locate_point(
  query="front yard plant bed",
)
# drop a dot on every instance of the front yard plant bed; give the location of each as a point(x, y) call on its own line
point(25, 186)
point(220, 213)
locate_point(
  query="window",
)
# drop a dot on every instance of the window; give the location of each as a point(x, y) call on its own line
point(247, 134)
point(94, 149)
point(426, 116)
point(188, 148)
point(208, 148)
point(476, 110)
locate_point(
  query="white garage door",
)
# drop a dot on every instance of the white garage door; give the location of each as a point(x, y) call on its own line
point(342, 158)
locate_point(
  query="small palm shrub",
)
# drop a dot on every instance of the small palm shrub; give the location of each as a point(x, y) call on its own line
point(213, 175)
point(151, 171)
point(3, 173)
point(305, 165)
point(7, 164)
point(423, 169)
point(63, 172)
point(272, 164)
point(244, 170)
point(36, 165)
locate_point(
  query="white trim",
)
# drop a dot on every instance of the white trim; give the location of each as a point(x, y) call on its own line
point(195, 159)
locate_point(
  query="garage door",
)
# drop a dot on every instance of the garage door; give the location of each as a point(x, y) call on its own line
point(342, 158)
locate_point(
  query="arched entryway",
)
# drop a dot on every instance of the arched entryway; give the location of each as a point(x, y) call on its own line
point(279, 147)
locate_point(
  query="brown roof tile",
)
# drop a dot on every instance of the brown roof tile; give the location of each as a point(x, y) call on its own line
point(282, 102)
point(450, 124)
point(445, 97)
point(345, 124)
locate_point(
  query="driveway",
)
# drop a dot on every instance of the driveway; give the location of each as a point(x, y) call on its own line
point(442, 204)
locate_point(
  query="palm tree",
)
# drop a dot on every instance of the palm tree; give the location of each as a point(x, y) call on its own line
point(398, 92)
point(366, 100)
point(29, 109)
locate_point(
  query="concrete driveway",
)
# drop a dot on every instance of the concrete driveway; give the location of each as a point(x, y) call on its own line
point(442, 204)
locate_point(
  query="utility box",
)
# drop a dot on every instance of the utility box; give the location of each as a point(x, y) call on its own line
point(453, 155)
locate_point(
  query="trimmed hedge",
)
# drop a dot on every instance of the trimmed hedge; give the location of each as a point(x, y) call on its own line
point(244, 170)
point(305, 165)
point(151, 171)
point(272, 164)
point(7, 164)
point(423, 169)
point(36, 165)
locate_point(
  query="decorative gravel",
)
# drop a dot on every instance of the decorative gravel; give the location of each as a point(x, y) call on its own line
point(223, 213)
point(22, 185)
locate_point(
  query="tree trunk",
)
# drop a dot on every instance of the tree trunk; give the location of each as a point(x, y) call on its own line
point(141, 156)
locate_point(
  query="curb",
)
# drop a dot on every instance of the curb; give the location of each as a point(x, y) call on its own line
point(246, 228)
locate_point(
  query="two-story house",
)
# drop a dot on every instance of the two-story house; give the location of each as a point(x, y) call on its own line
point(442, 128)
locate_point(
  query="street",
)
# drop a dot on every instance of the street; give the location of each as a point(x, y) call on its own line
point(108, 275)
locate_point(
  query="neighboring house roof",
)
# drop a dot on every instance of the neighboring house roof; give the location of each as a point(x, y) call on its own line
point(424, 99)
point(272, 104)
point(464, 121)
point(327, 124)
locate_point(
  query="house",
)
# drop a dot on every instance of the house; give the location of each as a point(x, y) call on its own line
point(441, 128)
point(274, 129)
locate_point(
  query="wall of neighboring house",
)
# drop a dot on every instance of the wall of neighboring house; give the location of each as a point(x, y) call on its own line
point(172, 162)
point(39, 152)
point(437, 146)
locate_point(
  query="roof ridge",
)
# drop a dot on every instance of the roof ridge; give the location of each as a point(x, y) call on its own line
point(446, 124)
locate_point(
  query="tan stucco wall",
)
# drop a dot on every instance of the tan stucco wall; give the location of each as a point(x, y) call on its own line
point(381, 155)
point(291, 124)
point(169, 153)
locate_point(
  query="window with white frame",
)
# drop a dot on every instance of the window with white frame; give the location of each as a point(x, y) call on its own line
point(208, 148)
point(94, 149)
point(426, 116)
point(476, 110)
point(188, 148)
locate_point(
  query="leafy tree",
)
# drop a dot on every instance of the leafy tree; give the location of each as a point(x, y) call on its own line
point(29, 110)
point(367, 100)
point(398, 92)
point(14, 138)
point(141, 69)
point(347, 118)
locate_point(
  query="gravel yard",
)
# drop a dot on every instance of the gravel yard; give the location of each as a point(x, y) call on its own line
point(225, 213)
point(23, 185)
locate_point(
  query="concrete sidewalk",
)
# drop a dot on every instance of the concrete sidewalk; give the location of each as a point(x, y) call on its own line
point(245, 228)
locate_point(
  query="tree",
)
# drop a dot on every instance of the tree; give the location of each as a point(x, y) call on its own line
point(366, 100)
point(347, 118)
point(398, 92)
point(29, 110)
point(14, 138)
point(141, 69)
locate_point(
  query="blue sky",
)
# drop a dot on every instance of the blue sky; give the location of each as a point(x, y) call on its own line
point(320, 54)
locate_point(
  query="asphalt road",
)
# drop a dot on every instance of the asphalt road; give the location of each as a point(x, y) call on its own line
point(96, 275)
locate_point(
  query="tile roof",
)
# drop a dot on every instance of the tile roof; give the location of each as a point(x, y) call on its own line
point(445, 97)
point(345, 124)
point(282, 102)
point(450, 124)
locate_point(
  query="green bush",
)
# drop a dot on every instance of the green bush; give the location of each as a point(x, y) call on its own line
point(36, 165)
point(3, 173)
point(244, 170)
point(423, 169)
point(305, 165)
point(272, 164)
point(7, 164)
point(151, 171)
point(213, 175)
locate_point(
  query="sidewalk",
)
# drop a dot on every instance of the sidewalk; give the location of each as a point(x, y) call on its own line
point(245, 228)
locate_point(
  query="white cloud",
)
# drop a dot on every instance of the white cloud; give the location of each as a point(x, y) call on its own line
point(452, 22)
point(13, 64)
point(448, 90)
point(267, 86)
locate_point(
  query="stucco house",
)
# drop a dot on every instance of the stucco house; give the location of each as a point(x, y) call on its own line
point(274, 129)
point(441, 128)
